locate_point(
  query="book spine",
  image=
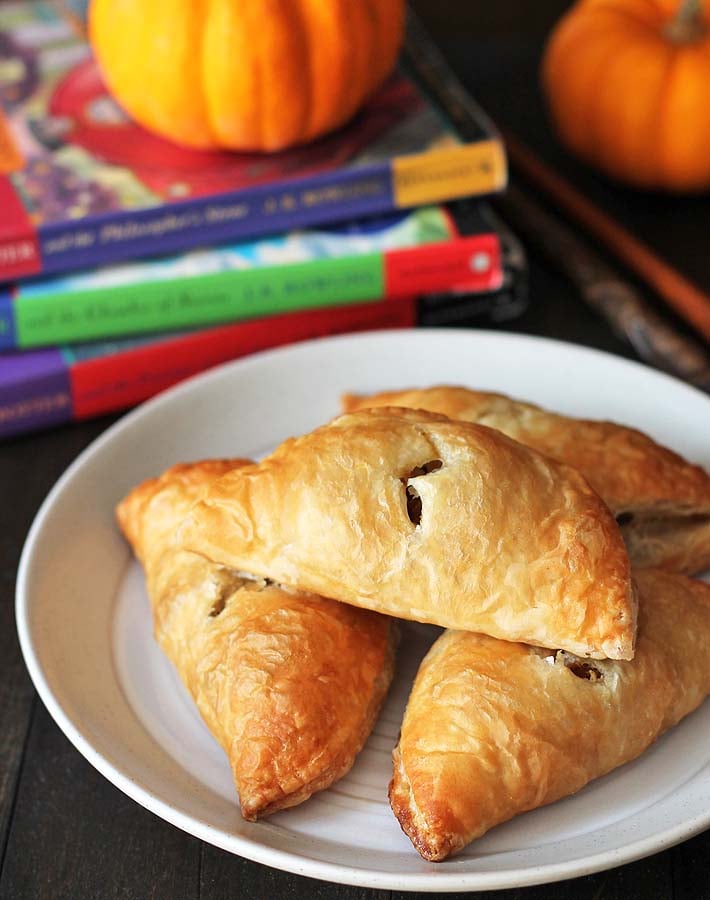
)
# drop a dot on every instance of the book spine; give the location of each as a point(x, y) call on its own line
point(41, 389)
point(8, 337)
point(35, 391)
point(469, 264)
point(236, 215)
point(121, 380)
point(57, 317)
point(19, 243)
point(417, 179)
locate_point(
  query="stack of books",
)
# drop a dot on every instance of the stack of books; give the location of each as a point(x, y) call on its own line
point(128, 264)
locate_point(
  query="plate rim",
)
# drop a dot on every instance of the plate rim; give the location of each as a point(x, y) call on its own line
point(253, 849)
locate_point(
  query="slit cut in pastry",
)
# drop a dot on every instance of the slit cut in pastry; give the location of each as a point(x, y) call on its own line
point(661, 502)
point(413, 515)
point(288, 683)
point(493, 729)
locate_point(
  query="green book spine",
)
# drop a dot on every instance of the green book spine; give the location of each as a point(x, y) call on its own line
point(59, 317)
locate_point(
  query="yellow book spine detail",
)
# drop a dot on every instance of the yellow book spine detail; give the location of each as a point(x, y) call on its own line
point(10, 157)
point(469, 169)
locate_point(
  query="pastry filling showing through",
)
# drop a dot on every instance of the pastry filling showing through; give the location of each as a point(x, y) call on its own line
point(229, 584)
point(657, 524)
point(624, 518)
point(218, 605)
point(414, 502)
point(582, 668)
point(675, 535)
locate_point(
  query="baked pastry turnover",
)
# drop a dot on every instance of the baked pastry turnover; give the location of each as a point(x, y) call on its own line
point(493, 729)
point(288, 683)
point(414, 515)
point(661, 502)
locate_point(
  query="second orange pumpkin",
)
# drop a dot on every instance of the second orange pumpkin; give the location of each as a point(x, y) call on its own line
point(244, 74)
point(628, 87)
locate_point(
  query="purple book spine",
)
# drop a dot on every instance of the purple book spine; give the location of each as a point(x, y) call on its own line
point(320, 200)
point(35, 391)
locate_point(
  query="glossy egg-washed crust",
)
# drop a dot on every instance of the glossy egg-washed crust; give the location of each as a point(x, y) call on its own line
point(662, 501)
point(493, 729)
point(507, 542)
point(289, 683)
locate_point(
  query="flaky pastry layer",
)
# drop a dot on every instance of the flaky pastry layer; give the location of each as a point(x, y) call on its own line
point(414, 515)
point(289, 683)
point(493, 729)
point(662, 501)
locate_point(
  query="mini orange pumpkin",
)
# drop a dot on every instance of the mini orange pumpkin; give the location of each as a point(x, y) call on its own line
point(628, 86)
point(244, 74)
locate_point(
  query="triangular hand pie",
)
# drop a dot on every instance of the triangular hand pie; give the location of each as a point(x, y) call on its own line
point(288, 683)
point(411, 514)
point(493, 729)
point(661, 501)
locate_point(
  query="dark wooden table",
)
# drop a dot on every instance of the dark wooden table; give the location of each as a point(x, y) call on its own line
point(65, 832)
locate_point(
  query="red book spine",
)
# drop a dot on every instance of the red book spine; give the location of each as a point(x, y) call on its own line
point(126, 378)
point(468, 263)
point(19, 245)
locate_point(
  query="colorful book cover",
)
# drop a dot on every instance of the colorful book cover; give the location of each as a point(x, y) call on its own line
point(390, 257)
point(82, 186)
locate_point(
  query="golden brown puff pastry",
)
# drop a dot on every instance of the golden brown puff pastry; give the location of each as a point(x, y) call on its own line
point(661, 501)
point(493, 729)
point(288, 683)
point(414, 515)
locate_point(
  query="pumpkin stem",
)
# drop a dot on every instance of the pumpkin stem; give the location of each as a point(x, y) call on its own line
point(687, 25)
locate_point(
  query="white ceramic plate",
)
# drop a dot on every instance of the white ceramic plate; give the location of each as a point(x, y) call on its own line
point(85, 627)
